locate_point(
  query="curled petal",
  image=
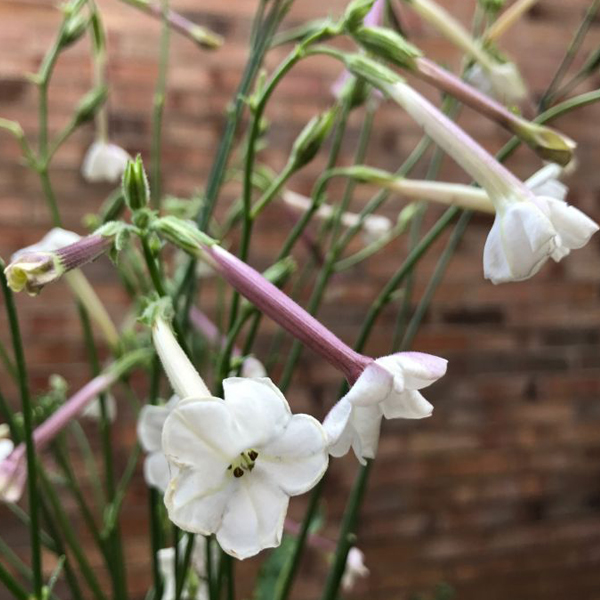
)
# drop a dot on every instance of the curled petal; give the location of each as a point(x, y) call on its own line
point(416, 369)
point(156, 471)
point(408, 404)
point(373, 385)
point(339, 435)
point(150, 427)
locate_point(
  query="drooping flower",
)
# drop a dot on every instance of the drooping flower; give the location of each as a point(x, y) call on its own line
point(104, 162)
point(93, 410)
point(238, 460)
point(32, 270)
point(150, 425)
point(528, 229)
point(355, 569)
point(54, 240)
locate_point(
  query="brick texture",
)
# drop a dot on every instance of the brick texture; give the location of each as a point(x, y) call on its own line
point(498, 494)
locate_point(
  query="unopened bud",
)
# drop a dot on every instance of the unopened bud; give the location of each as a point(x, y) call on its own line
point(135, 185)
point(492, 6)
point(311, 138)
point(90, 104)
point(73, 29)
point(387, 44)
point(356, 12)
point(205, 38)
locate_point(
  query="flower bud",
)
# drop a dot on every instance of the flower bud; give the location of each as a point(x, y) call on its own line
point(546, 142)
point(205, 38)
point(388, 45)
point(33, 271)
point(135, 184)
point(90, 104)
point(311, 138)
point(73, 29)
point(492, 6)
point(356, 12)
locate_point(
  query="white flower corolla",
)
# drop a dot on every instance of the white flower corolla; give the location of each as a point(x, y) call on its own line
point(150, 425)
point(55, 239)
point(6, 444)
point(104, 162)
point(237, 463)
point(196, 588)
point(252, 367)
point(375, 227)
point(12, 469)
point(355, 569)
point(502, 81)
point(93, 410)
point(388, 387)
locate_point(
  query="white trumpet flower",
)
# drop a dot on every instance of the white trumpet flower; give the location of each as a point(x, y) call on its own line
point(104, 162)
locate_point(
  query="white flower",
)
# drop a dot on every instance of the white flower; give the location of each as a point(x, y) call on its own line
point(104, 162)
point(166, 565)
point(501, 81)
point(526, 233)
point(387, 388)
point(6, 444)
point(13, 473)
point(150, 425)
point(238, 461)
point(355, 569)
point(375, 227)
point(93, 410)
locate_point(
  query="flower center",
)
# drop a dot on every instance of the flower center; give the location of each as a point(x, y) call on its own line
point(244, 463)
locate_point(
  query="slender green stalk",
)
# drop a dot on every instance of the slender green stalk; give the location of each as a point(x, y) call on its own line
point(347, 536)
point(49, 195)
point(185, 565)
point(14, 561)
point(32, 470)
point(8, 363)
point(12, 585)
point(571, 52)
point(159, 105)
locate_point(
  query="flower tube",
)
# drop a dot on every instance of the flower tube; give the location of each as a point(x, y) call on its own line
point(380, 387)
point(234, 462)
point(504, 77)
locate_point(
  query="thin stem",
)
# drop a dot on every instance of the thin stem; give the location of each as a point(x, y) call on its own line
point(159, 105)
point(12, 585)
point(32, 470)
point(49, 195)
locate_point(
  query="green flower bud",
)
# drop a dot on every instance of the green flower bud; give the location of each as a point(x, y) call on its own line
point(297, 34)
point(311, 138)
point(546, 142)
point(388, 45)
point(135, 185)
point(492, 6)
point(72, 30)
point(356, 12)
point(90, 104)
point(205, 38)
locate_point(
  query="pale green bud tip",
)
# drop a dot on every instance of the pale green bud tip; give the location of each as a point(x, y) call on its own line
point(206, 38)
point(368, 174)
point(32, 271)
point(135, 184)
point(73, 29)
point(183, 234)
point(91, 103)
point(375, 73)
point(356, 12)
point(311, 138)
point(387, 44)
point(492, 6)
point(548, 143)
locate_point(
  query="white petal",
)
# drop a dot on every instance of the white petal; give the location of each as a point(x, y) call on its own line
point(94, 410)
point(373, 385)
point(366, 421)
point(415, 369)
point(254, 516)
point(6, 447)
point(196, 500)
point(202, 434)
point(156, 471)
point(166, 565)
point(407, 404)
point(297, 459)
point(55, 239)
point(104, 162)
point(507, 83)
point(252, 367)
point(150, 425)
point(259, 409)
point(574, 227)
point(519, 243)
point(336, 426)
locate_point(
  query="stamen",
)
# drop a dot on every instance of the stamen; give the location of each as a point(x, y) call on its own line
point(238, 472)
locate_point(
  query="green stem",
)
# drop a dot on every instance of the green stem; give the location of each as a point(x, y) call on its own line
point(32, 470)
point(49, 195)
point(12, 585)
point(15, 562)
point(347, 537)
point(159, 105)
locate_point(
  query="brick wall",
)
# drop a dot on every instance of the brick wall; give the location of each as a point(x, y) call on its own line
point(498, 493)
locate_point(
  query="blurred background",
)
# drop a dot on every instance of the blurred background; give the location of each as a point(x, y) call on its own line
point(498, 493)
